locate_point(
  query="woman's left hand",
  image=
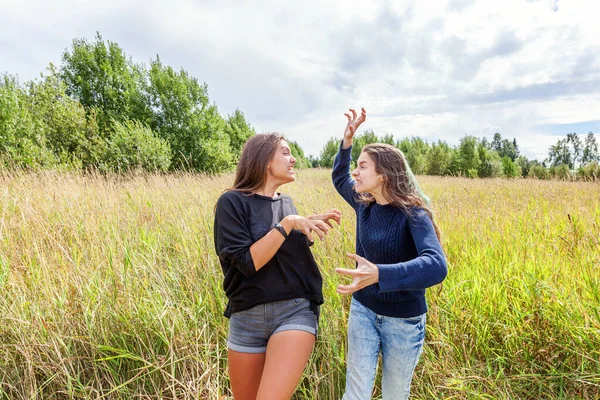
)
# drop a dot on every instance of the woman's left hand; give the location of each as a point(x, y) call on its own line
point(365, 274)
point(335, 215)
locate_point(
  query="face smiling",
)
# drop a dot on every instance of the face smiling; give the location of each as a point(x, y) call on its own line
point(281, 168)
point(367, 179)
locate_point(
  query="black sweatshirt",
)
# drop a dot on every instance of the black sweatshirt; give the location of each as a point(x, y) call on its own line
point(241, 219)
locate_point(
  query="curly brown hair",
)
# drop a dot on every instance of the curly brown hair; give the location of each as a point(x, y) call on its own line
point(400, 187)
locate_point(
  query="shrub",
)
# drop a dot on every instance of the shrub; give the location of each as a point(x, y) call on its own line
point(509, 168)
point(22, 140)
point(539, 172)
point(562, 172)
point(589, 171)
point(134, 146)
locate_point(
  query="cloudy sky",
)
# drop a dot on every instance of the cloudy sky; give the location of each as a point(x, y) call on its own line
point(438, 69)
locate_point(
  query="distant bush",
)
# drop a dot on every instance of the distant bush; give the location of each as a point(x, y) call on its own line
point(590, 171)
point(134, 146)
point(510, 169)
point(562, 172)
point(539, 172)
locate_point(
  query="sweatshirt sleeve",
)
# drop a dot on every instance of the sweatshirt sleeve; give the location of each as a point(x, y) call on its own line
point(427, 269)
point(232, 234)
point(340, 175)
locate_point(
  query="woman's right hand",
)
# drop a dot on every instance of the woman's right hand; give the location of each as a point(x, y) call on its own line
point(335, 215)
point(354, 122)
point(307, 226)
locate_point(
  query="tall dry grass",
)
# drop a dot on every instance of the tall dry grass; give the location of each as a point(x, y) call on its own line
point(110, 288)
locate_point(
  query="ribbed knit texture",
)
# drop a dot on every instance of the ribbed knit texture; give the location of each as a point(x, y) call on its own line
point(404, 247)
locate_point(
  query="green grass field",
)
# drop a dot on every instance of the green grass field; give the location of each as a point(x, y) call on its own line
point(110, 288)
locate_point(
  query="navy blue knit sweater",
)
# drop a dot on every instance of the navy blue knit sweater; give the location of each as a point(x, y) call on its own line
point(405, 249)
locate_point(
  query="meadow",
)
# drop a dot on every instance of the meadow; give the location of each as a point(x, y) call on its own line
point(110, 288)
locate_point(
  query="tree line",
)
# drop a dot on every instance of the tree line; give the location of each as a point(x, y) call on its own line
point(476, 157)
point(98, 110)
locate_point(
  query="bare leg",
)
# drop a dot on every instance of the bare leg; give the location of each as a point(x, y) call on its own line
point(287, 356)
point(245, 370)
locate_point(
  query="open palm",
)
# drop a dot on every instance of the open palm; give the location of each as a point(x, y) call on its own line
point(365, 274)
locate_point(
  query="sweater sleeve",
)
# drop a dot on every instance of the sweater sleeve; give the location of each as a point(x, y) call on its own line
point(427, 269)
point(232, 234)
point(340, 175)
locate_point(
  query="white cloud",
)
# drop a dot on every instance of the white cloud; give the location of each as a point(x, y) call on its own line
point(437, 69)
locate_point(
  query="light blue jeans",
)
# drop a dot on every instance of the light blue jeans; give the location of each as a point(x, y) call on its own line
point(400, 341)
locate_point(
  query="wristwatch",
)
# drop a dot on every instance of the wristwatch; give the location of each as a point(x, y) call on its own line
point(281, 230)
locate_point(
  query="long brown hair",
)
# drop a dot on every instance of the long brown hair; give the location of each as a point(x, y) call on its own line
point(259, 150)
point(400, 186)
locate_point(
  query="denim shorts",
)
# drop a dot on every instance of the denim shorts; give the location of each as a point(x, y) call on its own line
point(250, 330)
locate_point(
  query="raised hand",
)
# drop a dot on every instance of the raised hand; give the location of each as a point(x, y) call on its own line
point(354, 122)
point(327, 217)
point(365, 274)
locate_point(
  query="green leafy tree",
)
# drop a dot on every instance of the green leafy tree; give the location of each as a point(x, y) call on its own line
point(415, 149)
point(484, 142)
point(504, 147)
point(183, 115)
point(509, 168)
point(576, 148)
point(360, 141)
point(490, 164)
point(454, 168)
point(509, 149)
point(469, 155)
point(298, 153)
point(239, 131)
point(101, 76)
point(69, 133)
point(314, 161)
point(496, 144)
point(524, 164)
point(560, 154)
point(22, 142)
point(330, 149)
point(437, 159)
point(590, 149)
point(388, 138)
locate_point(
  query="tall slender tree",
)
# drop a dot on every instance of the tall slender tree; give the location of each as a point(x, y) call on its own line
point(590, 149)
point(576, 148)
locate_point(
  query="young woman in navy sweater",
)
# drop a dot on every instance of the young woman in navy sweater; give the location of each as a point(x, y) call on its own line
point(398, 255)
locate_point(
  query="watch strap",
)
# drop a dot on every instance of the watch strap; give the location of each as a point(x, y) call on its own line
point(281, 230)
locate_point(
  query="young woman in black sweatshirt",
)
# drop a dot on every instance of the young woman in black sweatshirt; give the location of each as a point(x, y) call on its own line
point(270, 276)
